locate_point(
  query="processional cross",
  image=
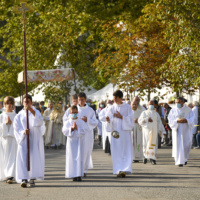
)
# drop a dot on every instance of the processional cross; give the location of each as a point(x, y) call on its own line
point(23, 9)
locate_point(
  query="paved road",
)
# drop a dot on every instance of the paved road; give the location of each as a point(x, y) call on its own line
point(162, 181)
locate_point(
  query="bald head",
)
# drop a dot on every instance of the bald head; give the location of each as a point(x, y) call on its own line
point(134, 105)
point(137, 99)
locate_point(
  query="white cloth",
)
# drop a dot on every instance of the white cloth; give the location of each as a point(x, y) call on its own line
point(137, 137)
point(105, 133)
point(48, 130)
point(36, 126)
point(9, 145)
point(141, 108)
point(121, 148)
point(195, 111)
point(66, 115)
point(99, 126)
point(150, 132)
point(74, 147)
point(2, 174)
point(89, 136)
point(181, 134)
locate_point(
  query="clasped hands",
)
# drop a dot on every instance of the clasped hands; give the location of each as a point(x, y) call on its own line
point(74, 127)
point(150, 120)
point(84, 119)
point(182, 120)
point(8, 121)
point(117, 115)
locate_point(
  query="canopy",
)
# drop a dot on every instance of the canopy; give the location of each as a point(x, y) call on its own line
point(47, 75)
point(38, 95)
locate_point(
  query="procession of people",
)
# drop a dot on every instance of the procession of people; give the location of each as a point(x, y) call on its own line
point(128, 131)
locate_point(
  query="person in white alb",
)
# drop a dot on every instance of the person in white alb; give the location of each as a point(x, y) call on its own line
point(119, 119)
point(181, 121)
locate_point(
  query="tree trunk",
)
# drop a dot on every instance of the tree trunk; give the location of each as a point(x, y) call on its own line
point(149, 94)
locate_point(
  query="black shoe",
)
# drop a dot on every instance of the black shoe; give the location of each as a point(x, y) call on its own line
point(180, 165)
point(75, 179)
point(9, 180)
point(79, 178)
point(153, 162)
point(24, 183)
point(185, 163)
point(145, 161)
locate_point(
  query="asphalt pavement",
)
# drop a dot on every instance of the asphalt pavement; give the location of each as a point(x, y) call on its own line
point(162, 181)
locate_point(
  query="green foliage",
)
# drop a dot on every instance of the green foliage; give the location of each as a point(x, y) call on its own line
point(162, 37)
point(76, 26)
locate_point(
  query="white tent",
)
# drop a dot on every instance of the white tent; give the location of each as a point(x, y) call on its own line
point(104, 93)
point(165, 94)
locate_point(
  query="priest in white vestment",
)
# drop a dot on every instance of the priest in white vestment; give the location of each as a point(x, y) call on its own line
point(151, 126)
point(102, 117)
point(119, 118)
point(8, 142)
point(75, 129)
point(55, 137)
point(36, 132)
point(137, 135)
point(46, 117)
point(88, 115)
point(137, 100)
point(181, 121)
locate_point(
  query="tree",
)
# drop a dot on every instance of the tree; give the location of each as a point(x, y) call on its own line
point(74, 26)
point(164, 45)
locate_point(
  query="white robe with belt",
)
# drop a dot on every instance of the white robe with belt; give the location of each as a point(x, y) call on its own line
point(36, 126)
point(9, 146)
point(92, 122)
point(74, 147)
point(181, 134)
point(150, 132)
point(121, 148)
